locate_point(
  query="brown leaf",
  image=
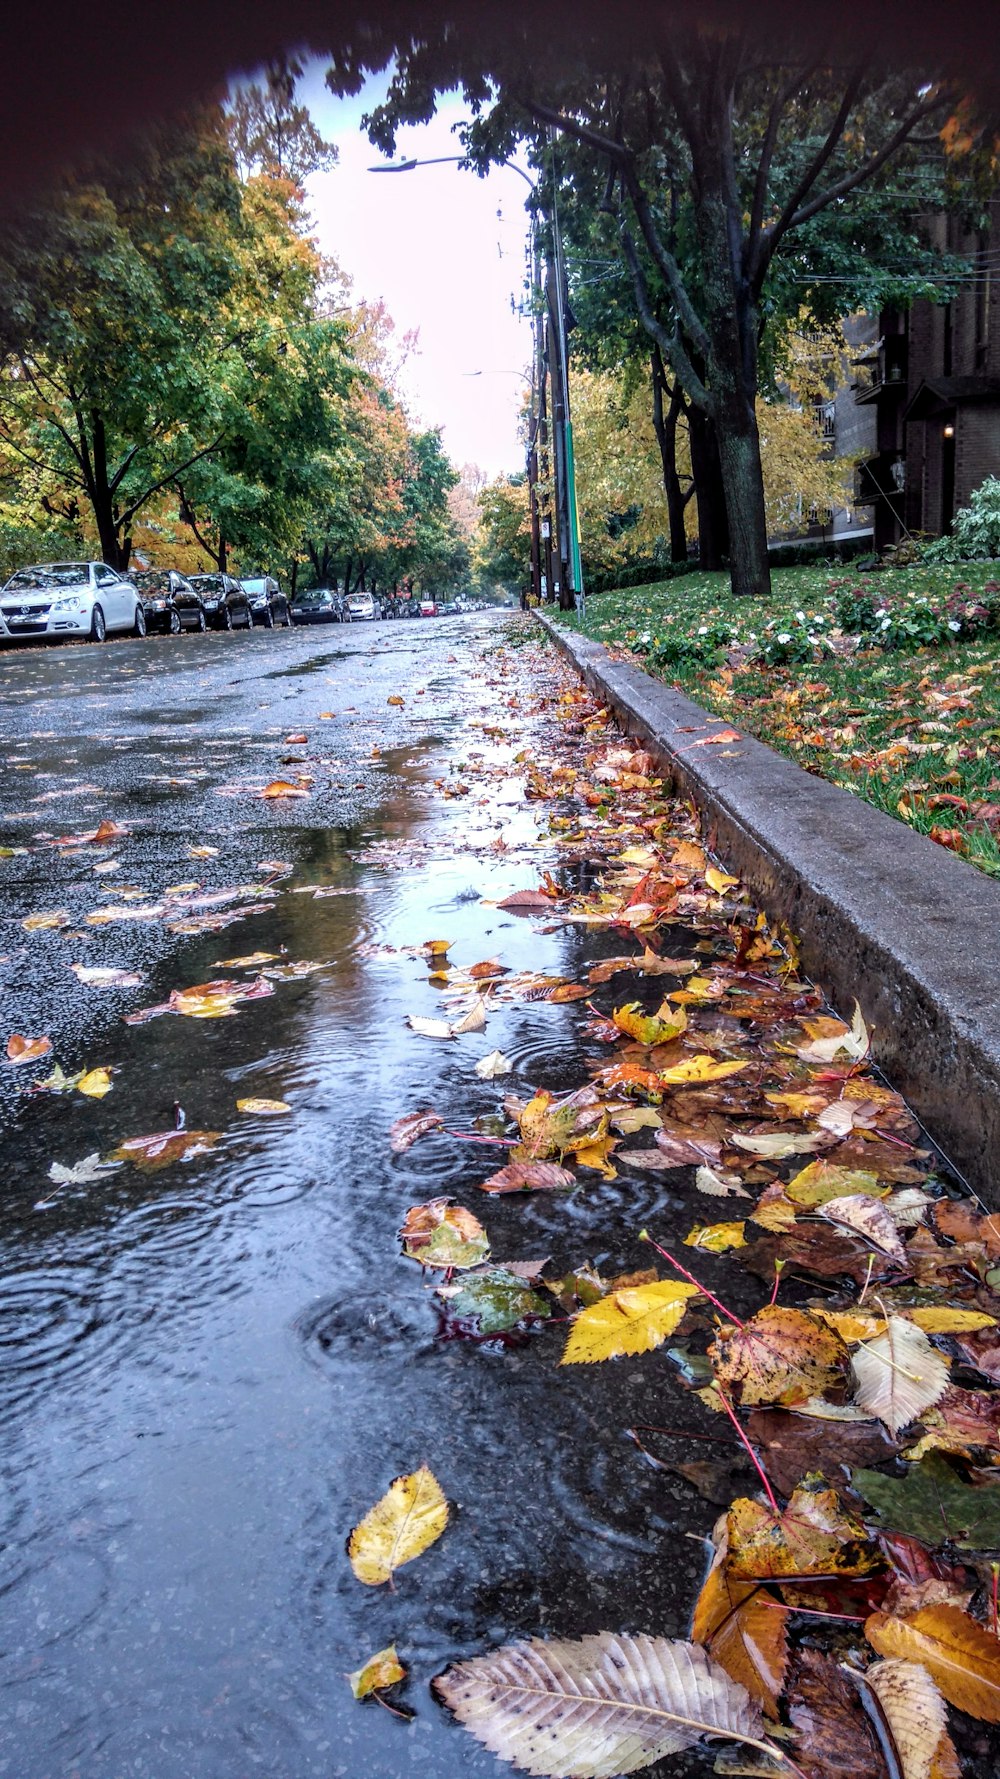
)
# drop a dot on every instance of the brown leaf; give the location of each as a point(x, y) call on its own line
point(737, 1623)
point(528, 1176)
point(868, 1219)
point(412, 1125)
point(525, 901)
point(164, 1147)
point(814, 1536)
point(962, 1222)
point(443, 1234)
point(836, 1740)
point(779, 1355)
point(963, 1658)
point(983, 1351)
point(21, 1049)
point(793, 1445)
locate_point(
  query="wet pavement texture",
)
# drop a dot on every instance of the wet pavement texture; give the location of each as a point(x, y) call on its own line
point(210, 1372)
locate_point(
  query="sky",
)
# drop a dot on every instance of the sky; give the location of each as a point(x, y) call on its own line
point(432, 245)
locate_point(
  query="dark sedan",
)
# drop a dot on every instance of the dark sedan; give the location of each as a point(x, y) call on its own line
point(169, 601)
point(226, 604)
point(320, 605)
point(268, 605)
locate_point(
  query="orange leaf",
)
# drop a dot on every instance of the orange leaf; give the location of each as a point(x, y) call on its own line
point(961, 1656)
point(21, 1049)
point(737, 1624)
point(814, 1536)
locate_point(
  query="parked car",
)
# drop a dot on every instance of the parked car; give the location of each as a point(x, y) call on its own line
point(448, 610)
point(268, 605)
point(362, 605)
point(319, 605)
point(169, 600)
point(225, 601)
point(428, 607)
point(70, 599)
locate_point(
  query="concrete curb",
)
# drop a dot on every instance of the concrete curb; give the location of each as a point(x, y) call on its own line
point(883, 913)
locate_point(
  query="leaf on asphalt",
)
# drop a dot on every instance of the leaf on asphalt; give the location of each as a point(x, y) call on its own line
point(82, 1173)
point(702, 1068)
point(719, 1185)
point(717, 1238)
point(931, 1502)
point(94, 1083)
point(378, 1672)
point(529, 1176)
point(247, 962)
point(97, 976)
point(42, 923)
point(719, 880)
point(264, 1108)
point(648, 1029)
point(962, 1657)
point(814, 1536)
point(683, 1144)
point(21, 1049)
point(443, 1234)
point(794, 1444)
point(409, 1518)
point(867, 1218)
point(396, 700)
point(602, 1705)
point(495, 1300)
point(836, 1739)
point(961, 1421)
point(914, 1710)
point(774, 1211)
point(781, 1143)
point(822, 1180)
point(737, 1624)
point(779, 1355)
point(898, 1374)
point(280, 787)
point(493, 1066)
point(829, 1038)
point(472, 1021)
point(164, 1147)
point(633, 1320)
point(407, 1129)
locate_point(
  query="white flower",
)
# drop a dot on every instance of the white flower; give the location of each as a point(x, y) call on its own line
point(703, 630)
point(801, 617)
point(784, 636)
point(953, 624)
point(885, 623)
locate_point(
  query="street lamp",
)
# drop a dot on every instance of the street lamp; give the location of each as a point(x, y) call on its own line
point(569, 461)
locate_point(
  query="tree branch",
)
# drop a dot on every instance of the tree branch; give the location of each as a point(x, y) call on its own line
point(764, 245)
point(872, 165)
point(178, 470)
point(768, 146)
point(668, 342)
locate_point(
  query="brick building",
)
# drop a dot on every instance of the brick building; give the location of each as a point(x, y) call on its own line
point(932, 380)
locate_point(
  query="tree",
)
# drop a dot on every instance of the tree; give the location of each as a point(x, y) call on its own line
point(717, 156)
point(503, 545)
point(273, 135)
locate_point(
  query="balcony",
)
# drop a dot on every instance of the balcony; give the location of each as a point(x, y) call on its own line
point(881, 371)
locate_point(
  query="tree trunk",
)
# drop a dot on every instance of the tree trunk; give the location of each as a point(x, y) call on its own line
point(223, 555)
point(713, 526)
point(743, 480)
point(100, 496)
point(665, 427)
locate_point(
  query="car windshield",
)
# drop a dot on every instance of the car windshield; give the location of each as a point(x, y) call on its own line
point(209, 583)
point(52, 574)
point(153, 580)
point(315, 596)
point(255, 586)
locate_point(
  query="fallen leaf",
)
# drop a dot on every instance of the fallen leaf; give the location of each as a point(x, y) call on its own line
point(821, 1181)
point(720, 1185)
point(717, 1238)
point(409, 1518)
point(898, 1374)
point(407, 1129)
point(443, 1234)
point(914, 1710)
point(634, 1320)
point(828, 1037)
point(815, 1535)
point(165, 1146)
point(836, 1739)
point(962, 1657)
point(529, 1176)
point(779, 1355)
point(493, 1066)
point(40, 923)
point(280, 787)
point(931, 1502)
point(495, 1300)
point(779, 1144)
point(959, 1220)
point(97, 976)
point(247, 962)
point(266, 1108)
point(719, 880)
point(793, 1444)
point(737, 1624)
point(702, 1068)
point(867, 1218)
point(95, 1083)
point(396, 700)
point(377, 1673)
point(82, 1173)
point(602, 1705)
point(649, 1029)
point(21, 1049)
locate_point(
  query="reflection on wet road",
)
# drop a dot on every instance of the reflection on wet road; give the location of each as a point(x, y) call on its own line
point(209, 1372)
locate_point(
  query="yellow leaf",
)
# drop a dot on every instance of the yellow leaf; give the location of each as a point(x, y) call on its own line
point(270, 1108)
point(378, 1672)
point(95, 1083)
point(688, 855)
point(962, 1657)
point(280, 787)
point(596, 1154)
point(650, 1028)
point(719, 880)
point(717, 1238)
point(941, 1319)
point(914, 1709)
point(396, 700)
point(410, 1517)
point(702, 1068)
point(633, 1320)
point(821, 1181)
point(40, 923)
point(852, 1325)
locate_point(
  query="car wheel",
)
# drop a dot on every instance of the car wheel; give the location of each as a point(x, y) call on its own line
point(227, 618)
point(98, 628)
point(202, 622)
point(139, 624)
point(268, 619)
point(175, 622)
point(249, 619)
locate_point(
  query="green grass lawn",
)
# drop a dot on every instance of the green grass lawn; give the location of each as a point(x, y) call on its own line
point(886, 683)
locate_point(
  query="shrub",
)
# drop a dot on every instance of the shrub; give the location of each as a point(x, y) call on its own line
point(854, 610)
point(975, 534)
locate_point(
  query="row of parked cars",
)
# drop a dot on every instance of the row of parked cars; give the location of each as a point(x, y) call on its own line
point(90, 600)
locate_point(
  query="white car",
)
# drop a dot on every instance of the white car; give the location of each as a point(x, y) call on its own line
point(362, 605)
point(56, 599)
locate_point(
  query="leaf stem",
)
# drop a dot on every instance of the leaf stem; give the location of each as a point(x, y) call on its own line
point(644, 1236)
point(755, 1461)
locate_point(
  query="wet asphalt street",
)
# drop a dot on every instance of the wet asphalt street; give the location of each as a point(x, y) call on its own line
point(210, 1371)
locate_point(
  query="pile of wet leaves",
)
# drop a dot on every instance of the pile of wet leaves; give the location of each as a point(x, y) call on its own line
point(848, 1622)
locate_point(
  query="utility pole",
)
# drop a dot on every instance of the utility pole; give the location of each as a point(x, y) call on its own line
point(569, 519)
